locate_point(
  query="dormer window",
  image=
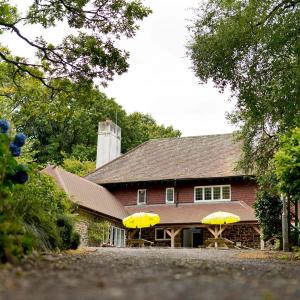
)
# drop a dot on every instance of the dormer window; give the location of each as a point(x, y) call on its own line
point(169, 195)
point(141, 196)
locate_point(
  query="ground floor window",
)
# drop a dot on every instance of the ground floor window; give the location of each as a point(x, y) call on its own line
point(117, 237)
point(161, 234)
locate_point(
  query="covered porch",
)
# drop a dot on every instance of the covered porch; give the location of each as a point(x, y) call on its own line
point(180, 225)
point(196, 235)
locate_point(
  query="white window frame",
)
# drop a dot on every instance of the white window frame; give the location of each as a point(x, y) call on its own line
point(212, 193)
point(138, 196)
point(115, 236)
point(166, 198)
point(166, 236)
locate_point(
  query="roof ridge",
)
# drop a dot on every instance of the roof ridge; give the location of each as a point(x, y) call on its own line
point(117, 158)
point(191, 136)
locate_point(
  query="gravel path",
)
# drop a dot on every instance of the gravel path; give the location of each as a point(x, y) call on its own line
point(136, 274)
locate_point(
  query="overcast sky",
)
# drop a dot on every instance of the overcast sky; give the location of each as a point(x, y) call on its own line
point(160, 80)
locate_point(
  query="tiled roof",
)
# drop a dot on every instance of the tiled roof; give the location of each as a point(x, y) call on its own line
point(194, 213)
point(209, 156)
point(87, 194)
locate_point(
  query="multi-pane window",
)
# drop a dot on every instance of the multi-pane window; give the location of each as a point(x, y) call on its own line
point(218, 192)
point(161, 234)
point(226, 192)
point(141, 196)
point(198, 193)
point(169, 195)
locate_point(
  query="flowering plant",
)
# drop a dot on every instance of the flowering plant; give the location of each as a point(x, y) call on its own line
point(10, 171)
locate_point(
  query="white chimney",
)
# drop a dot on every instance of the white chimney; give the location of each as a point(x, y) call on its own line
point(109, 142)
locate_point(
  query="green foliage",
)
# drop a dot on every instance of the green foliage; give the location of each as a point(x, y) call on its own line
point(90, 49)
point(80, 168)
point(268, 207)
point(70, 239)
point(65, 125)
point(287, 163)
point(252, 47)
point(98, 232)
point(29, 219)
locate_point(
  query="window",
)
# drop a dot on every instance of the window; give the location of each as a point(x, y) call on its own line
point(207, 193)
point(169, 195)
point(211, 193)
point(226, 192)
point(117, 237)
point(141, 197)
point(198, 193)
point(217, 193)
point(161, 234)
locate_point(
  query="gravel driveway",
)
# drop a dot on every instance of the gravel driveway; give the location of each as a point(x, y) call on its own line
point(134, 274)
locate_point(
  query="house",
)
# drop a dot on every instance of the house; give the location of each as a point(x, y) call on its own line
point(182, 180)
point(95, 204)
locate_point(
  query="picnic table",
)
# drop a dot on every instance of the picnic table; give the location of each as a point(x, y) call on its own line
point(138, 243)
point(218, 242)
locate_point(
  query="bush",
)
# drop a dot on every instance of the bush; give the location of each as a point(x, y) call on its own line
point(69, 238)
point(33, 214)
point(97, 232)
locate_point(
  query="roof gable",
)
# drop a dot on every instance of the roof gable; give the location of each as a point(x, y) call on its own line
point(210, 156)
point(87, 194)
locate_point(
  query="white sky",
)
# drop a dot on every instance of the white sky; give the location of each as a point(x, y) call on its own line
point(159, 80)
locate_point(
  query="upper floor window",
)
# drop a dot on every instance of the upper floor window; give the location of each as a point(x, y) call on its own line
point(217, 192)
point(141, 196)
point(169, 195)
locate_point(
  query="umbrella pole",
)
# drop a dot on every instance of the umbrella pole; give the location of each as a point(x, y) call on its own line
point(140, 233)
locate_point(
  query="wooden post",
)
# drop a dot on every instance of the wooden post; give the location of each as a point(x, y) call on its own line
point(172, 233)
point(216, 232)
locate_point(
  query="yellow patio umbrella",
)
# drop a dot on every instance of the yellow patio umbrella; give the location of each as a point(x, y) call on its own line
point(141, 220)
point(219, 218)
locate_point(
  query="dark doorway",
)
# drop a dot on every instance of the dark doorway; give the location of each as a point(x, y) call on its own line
point(197, 239)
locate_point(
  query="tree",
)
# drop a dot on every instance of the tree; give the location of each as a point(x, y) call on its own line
point(268, 206)
point(88, 53)
point(253, 48)
point(287, 169)
point(80, 168)
point(64, 125)
point(287, 163)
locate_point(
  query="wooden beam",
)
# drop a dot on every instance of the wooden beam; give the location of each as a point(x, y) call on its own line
point(172, 233)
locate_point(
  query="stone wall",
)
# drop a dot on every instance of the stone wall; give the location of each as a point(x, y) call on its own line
point(82, 223)
point(237, 233)
point(243, 234)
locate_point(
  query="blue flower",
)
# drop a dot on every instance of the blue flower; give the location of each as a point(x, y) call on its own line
point(20, 177)
point(14, 149)
point(4, 126)
point(20, 139)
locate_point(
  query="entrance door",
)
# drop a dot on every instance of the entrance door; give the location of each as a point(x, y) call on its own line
point(197, 239)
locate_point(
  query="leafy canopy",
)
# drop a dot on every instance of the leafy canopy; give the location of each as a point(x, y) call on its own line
point(88, 50)
point(64, 125)
point(253, 48)
point(287, 163)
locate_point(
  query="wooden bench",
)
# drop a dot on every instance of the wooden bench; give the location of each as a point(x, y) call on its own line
point(138, 243)
point(218, 242)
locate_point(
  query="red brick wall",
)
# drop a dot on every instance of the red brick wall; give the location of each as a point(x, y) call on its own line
point(156, 195)
point(244, 192)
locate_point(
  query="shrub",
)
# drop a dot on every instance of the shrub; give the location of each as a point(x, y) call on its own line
point(98, 232)
point(30, 211)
